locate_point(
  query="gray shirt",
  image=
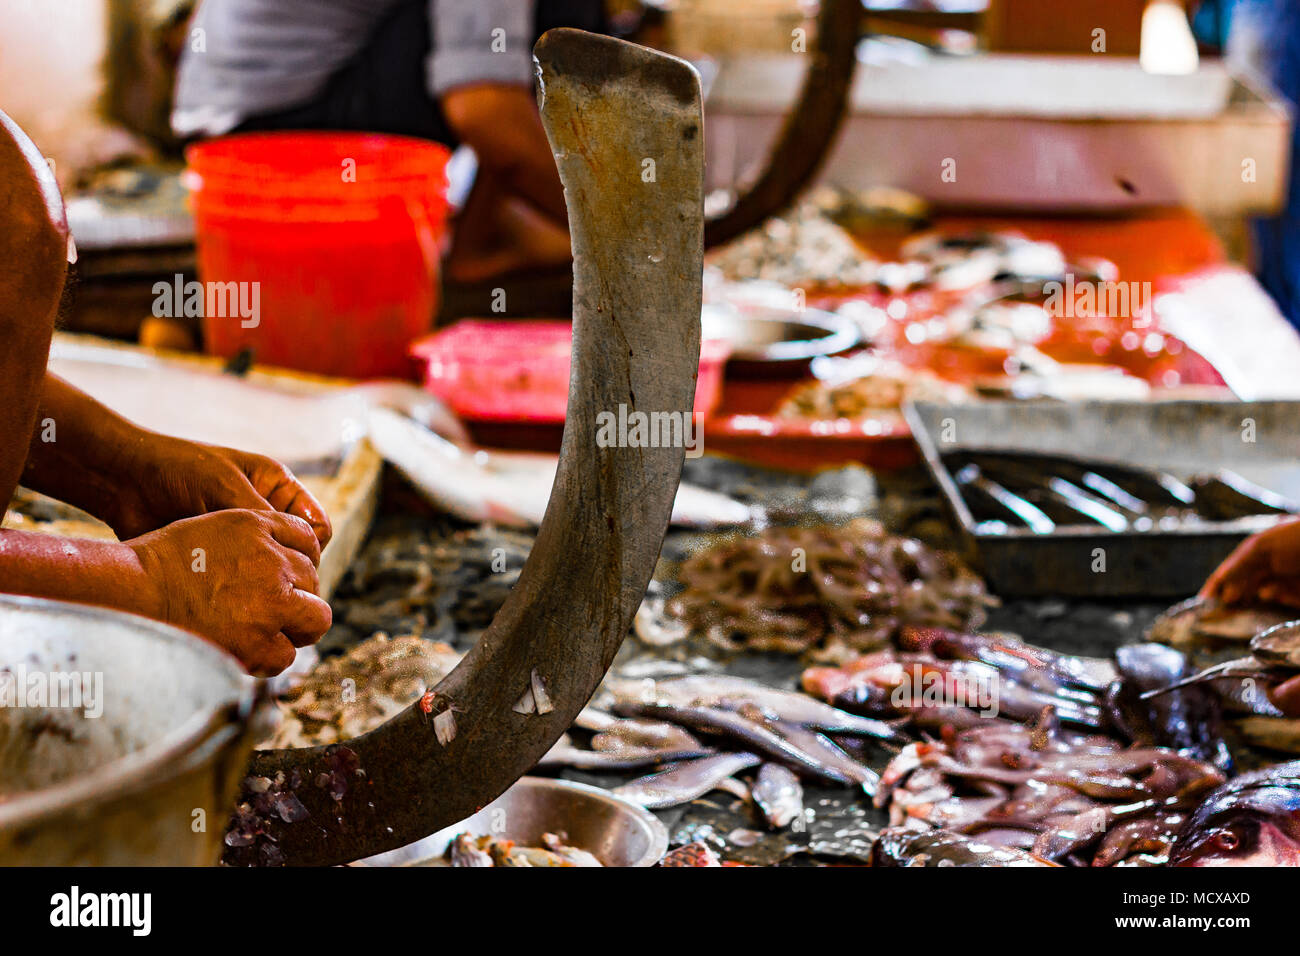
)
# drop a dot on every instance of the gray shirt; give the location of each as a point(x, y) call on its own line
point(247, 58)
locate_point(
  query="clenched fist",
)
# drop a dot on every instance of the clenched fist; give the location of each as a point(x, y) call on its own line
point(244, 579)
point(165, 479)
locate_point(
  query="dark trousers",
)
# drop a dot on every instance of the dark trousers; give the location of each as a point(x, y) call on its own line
point(383, 89)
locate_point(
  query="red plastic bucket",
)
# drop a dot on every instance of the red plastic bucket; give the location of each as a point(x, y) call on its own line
point(332, 239)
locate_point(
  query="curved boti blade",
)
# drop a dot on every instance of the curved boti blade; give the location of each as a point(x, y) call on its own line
point(624, 123)
point(808, 133)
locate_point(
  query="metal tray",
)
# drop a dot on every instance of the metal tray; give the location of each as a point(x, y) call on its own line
point(1181, 437)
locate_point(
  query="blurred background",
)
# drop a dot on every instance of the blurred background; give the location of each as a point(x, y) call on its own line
point(1153, 135)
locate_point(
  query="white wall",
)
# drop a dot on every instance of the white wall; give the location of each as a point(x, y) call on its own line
point(50, 80)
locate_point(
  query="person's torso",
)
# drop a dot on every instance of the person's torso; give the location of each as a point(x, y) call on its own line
point(246, 57)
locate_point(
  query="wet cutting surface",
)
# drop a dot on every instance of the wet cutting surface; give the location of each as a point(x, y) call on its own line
point(443, 580)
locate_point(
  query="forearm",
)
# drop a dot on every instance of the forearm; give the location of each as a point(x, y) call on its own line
point(481, 71)
point(103, 573)
point(77, 448)
point(501, 125)
point(528, 170)
point(33, 243)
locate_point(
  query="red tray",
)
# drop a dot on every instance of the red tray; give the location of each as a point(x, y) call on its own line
point(1150, 248)
point(1155, 247)
point(743, 427)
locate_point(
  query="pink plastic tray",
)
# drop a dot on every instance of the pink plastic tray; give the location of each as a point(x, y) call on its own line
point(519, 371)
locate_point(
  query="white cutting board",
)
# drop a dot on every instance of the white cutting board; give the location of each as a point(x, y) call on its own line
point(176, 398)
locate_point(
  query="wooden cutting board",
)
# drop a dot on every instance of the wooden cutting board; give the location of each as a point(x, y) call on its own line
point(348, 490)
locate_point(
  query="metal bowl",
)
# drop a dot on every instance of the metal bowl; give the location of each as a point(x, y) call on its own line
point(763, 334)
point(616, 832)
point(148, 735)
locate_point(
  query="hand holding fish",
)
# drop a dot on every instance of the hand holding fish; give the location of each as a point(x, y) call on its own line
point(1264, 568)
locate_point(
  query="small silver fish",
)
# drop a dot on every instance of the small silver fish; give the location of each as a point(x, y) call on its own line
point(621, 733)
point(564, 754)
point(720, 690)
point(684, 782)
point(828, 754)
point(797, 746)
point(778, 794)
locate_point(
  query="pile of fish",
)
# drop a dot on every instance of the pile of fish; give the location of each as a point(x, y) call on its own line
point(1067, 797)
point(1125, 764)
point(1005, 754)
point(467, 850)
point(1119, 766)
point(938, 678)
point(945, 681)
point(865, 387)
point(699, 732)
point(352, 694)
point(828, 588)
point(801, 248)
point(1251, 820)
point(947, 678)
point(1043, 492)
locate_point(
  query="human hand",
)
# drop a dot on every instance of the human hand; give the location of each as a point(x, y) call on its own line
point(1286, 696)
point(244, 579)
point(1263, 568)
point(160, 479)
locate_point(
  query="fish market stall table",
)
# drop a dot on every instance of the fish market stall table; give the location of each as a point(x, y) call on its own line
point(442, 579)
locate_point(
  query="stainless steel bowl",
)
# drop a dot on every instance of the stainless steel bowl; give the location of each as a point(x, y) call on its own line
point(764, 334)
point(616, 832)
point(140, 771)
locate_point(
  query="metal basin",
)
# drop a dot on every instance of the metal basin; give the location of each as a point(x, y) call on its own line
point(761, 334)
point(616, 832)
point(133, 756)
